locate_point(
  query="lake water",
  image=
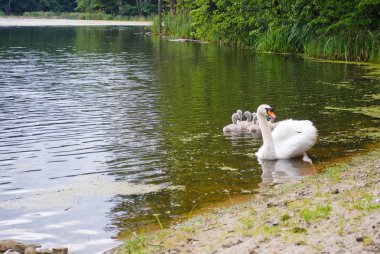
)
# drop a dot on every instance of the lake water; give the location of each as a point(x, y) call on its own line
point(104, 128)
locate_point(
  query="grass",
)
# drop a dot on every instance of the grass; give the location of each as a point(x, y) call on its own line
point(367, 202)
point(179, 26)
point(319, 212)
point(358, 46)
point(334, 172)
point(248, 222)
point(134, 245)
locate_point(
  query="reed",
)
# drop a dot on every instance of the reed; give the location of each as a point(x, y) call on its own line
point(284, 40)
point(360, 46)
point(179, 25)
point(155, 28)
point(89, 16)
point(41, 14)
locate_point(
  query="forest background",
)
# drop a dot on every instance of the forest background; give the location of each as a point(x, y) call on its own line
point(328, 29)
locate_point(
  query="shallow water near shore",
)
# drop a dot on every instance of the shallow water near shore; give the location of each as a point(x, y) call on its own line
point(104, 128)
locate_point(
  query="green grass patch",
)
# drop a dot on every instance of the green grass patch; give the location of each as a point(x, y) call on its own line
point(334, 172)
point(248, 222)
point(366, 202)
point(321, 211)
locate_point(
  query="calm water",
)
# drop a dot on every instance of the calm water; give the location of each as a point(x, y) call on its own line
point(103, 127)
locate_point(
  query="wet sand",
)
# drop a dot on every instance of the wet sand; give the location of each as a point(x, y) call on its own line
point(29, 22)
point(334, 212)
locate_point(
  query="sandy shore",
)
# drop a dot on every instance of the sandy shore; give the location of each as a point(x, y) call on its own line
point(29, 22)
point(334, 212)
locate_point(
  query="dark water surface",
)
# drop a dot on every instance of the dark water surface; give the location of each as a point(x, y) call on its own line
point(101, 128)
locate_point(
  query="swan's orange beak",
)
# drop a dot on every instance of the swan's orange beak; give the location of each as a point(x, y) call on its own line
point(271, 114)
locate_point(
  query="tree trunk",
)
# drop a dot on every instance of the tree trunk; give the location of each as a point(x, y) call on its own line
point(160, 15)
point(9, 7)
point(120, 7)
point(138, 5)
point(172, 6)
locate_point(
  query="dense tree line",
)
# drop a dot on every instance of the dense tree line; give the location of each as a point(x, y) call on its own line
point(20, 6)
point(114, 7)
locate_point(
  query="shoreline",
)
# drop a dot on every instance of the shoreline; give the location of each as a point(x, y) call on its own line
point(56, 22)
point(335, 211)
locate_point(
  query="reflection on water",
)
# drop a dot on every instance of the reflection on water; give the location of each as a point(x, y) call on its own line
point(285, 170)
point(88, 112)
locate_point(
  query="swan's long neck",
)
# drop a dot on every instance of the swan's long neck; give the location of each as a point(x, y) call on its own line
point(268, 142)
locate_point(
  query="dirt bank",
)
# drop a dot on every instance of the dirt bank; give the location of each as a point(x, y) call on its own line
point(334, 212)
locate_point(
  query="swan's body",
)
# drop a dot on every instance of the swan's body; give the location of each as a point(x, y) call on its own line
point(234, 127)
point(290, 138)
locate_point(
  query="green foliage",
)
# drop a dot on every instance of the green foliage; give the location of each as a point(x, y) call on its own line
point(344, 30)
point(112, 8)
point(20, 6)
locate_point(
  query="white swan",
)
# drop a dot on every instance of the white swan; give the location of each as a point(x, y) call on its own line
point(234, 126)
point(290, 139)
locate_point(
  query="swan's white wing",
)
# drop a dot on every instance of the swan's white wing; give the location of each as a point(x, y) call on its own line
point(293, 138)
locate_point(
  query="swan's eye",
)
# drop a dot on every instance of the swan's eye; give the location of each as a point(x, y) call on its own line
point(269, 110)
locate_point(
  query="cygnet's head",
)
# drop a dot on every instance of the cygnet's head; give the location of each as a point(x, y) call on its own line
point(248, 116)
point(240, 114)
point(235, 118)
